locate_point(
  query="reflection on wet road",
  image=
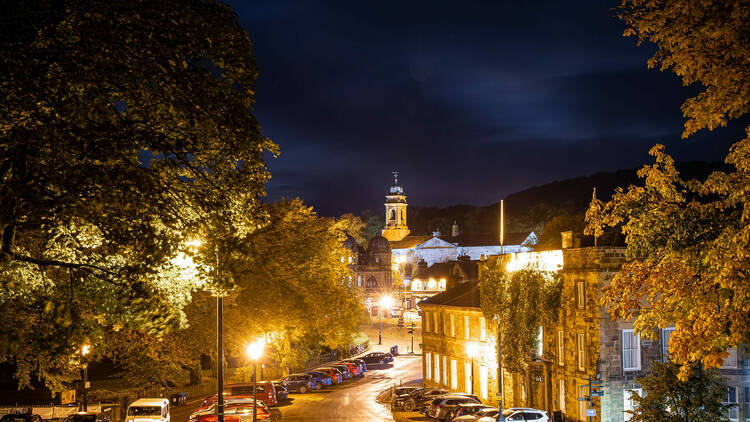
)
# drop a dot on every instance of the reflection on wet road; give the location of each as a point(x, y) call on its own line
point(354, 400)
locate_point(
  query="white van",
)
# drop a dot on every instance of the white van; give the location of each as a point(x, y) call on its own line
point(148, 410)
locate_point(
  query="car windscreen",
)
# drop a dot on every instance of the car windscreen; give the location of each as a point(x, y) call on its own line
point(82, 418)
point(144, 411)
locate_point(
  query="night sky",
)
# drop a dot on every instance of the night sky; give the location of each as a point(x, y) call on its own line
point(469, 101)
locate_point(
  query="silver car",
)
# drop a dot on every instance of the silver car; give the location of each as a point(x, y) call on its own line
point(442, 407)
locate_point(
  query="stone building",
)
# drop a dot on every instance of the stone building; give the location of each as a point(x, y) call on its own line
point(583, 344)
point(372, 269)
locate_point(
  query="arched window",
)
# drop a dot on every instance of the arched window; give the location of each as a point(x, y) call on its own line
point(372, 283)
point(393, 214)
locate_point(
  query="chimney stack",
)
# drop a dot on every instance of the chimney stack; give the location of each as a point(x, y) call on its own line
point(454, 230)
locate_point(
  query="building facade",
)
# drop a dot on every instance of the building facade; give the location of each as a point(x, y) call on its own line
point(583, 344)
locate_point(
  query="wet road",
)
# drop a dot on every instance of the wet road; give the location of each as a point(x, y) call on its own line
point(353, 400)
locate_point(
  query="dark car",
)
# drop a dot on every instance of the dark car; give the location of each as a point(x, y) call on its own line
point(404, 390)
point(417, 400)
point(377, 358)
point(320, 378)
point(21, 417)
point(300, 383)
point(282, 394)
point(443, 407)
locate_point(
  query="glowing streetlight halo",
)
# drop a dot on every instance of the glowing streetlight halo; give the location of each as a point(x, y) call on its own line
point(85, 349)
point(471, 350)
point(385, 302)
point(254, 350)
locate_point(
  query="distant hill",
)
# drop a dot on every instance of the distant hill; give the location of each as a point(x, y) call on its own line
point(531, 208)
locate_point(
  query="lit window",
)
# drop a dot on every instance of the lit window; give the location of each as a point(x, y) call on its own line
point(580, 295)
point(428, 365)
point(437, 368)
point(454, 375)
point(628, 403)
point(467, 328)
point(731, 399)
point(453, 326)
point(666, 335)
point(540, 342)
point(581, 346)
point(442, 284)
point(359, 280)
point(582, 405)
point(426, 322)
point(432, 284)
point(342, 259)
point(377, 260)
point(730, 362)
point(350, 259)
point(482, 329)
point(561, 393)
point(416, 285)
point(631, 351)
point(435, 326)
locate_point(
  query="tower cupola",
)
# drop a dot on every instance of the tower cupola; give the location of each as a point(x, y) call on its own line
point(395, 212)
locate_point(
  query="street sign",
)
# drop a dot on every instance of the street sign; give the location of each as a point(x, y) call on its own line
point(597, 393)
point(592, 385)
point(590, 412)
point(583, 399)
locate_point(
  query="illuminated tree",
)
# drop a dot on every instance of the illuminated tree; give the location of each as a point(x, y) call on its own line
point(125, 130)
point(687, 240)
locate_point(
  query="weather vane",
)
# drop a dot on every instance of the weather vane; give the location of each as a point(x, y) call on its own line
point(395, 178)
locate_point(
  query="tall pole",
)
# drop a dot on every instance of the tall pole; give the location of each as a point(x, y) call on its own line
point(85, 380)
point(472, 375)
point(380, 329)
point(502, 225)
point(255, 392)
point(220, 358)
point(499, 370)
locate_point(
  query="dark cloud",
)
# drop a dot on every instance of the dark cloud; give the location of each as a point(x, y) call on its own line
point(470, 100)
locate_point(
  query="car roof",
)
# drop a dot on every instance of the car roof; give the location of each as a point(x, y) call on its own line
point(150, 402)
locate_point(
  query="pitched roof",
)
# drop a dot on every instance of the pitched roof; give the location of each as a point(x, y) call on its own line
point(464, 295)
point(409, 242)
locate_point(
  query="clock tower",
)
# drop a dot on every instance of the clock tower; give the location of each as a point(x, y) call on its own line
point(395, 212)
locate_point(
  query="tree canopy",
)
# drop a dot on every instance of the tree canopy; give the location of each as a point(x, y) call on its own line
point(666, 398)
point(520, 301)
point(125, 130)
point(688, 241)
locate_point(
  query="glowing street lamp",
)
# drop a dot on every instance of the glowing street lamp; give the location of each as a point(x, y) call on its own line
point(384, 302)
point(471, 351)
point(254, 352)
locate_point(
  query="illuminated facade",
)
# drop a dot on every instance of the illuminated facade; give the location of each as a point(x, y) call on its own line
point(371, 268)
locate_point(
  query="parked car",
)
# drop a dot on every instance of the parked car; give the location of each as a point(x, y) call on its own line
point(21, 417)
point(88, 417)
point(335, 374)
point(320, 378)
point(266, 393)
point(377, 358)
point(515, 414)
point(353, 368)
point(443, 407)
point(359, 362)
point(282, 394)
point(417, 399)
point(404, 390)
point(345, 372)
point(299, 383)
point(471, 411)
point(155, 410)
point(233, 412)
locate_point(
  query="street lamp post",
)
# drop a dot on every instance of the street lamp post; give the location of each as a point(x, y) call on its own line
point(85, 351)
point(471, 351)
point(254, 352)
point(385, 302)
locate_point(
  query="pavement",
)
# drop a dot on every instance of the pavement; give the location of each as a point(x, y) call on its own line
point(354, 399)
